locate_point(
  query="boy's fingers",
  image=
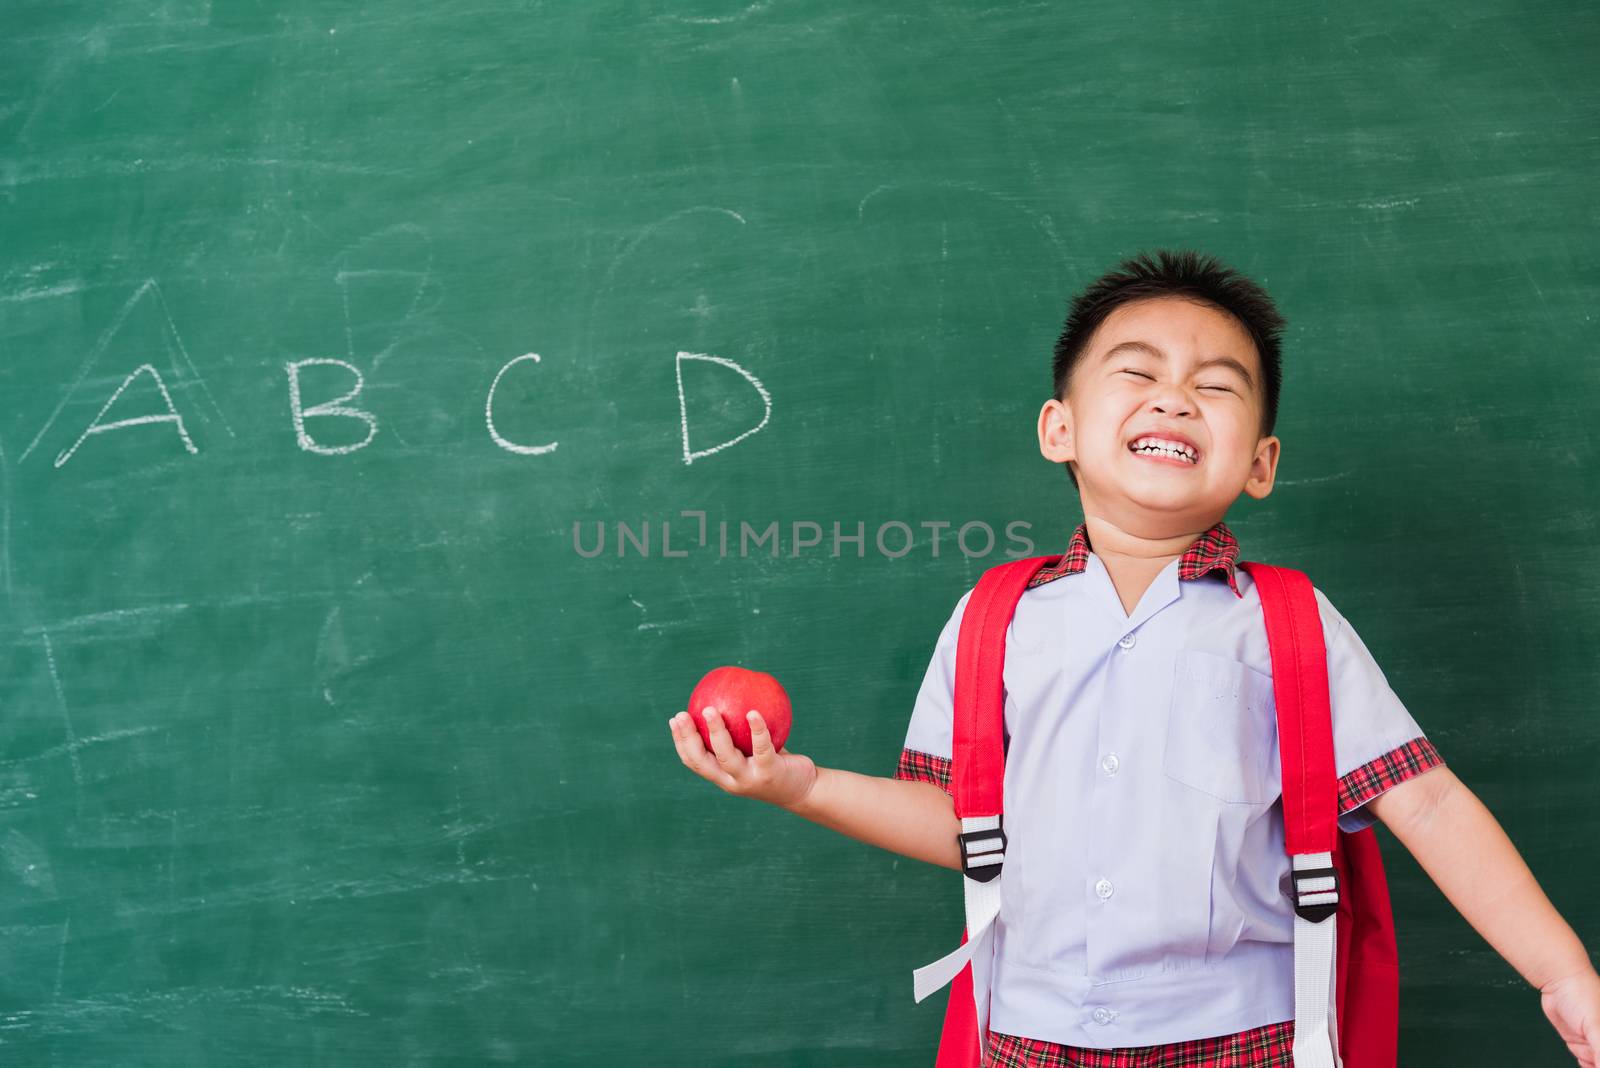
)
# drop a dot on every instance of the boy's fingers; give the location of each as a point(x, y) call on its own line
point(690, 745)
point(722, 746)
point(682, 733)
point(692, 751)
point(760, 740)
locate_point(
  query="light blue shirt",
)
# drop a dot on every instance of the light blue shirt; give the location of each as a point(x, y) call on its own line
point(1143, 897)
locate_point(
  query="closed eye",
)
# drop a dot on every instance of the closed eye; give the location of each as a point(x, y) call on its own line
point(1141, 374)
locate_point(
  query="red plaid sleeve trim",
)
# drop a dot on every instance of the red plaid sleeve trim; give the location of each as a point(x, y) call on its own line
point(924, 767)
point(1390, 769)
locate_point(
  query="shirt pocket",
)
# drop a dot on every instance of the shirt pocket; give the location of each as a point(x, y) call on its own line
point(1222, 729)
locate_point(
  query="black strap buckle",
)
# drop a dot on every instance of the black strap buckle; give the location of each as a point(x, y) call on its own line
point(983, 850)
point(1315, 903)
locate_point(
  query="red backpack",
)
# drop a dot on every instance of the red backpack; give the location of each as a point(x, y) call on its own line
point(1347, 971)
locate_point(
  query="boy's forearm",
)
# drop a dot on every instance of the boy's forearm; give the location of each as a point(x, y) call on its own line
point(914, 819)
point(1463, 848)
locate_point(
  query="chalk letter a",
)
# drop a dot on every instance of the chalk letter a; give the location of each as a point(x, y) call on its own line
point(97, 427)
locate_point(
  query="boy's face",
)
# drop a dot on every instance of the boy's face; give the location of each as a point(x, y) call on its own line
point(1164, 367)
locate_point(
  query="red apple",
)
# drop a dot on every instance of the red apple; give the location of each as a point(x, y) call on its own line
point(733, 691)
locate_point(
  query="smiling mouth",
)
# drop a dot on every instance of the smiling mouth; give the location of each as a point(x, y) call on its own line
point(1168, 453)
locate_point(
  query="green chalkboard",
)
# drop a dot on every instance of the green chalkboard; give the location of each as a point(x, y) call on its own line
point(333, 336)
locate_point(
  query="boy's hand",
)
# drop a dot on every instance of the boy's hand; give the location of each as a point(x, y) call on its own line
point(778, 776)
point(1573, 1005)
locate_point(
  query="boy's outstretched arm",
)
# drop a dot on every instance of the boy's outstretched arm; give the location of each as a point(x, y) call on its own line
point(916, 819)
point(1463, 848)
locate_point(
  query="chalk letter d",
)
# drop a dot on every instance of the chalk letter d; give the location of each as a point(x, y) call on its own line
point(683, 410)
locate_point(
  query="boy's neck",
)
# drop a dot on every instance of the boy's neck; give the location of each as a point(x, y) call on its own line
point(1134, 557)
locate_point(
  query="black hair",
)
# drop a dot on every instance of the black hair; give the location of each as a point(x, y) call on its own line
point(1175, 273)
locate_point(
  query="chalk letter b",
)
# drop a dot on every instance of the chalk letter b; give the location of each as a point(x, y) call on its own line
point(333, 407)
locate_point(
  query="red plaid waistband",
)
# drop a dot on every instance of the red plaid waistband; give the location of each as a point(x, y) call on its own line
point(1268, 1046)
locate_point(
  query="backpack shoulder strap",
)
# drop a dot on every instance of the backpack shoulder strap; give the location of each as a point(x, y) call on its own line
point(1305, 721)
point(977, 744)
point(977, 775)
point(1310, 801)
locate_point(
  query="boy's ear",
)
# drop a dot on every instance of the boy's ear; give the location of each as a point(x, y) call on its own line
point(1264, 468)
point(1055, 432)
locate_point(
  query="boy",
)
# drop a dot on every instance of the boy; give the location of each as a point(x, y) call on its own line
point(1144, 905)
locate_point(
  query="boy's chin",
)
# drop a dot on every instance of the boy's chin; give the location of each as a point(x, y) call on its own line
point(1162, 495)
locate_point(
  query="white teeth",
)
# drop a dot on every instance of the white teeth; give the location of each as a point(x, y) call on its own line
point(1177, 452)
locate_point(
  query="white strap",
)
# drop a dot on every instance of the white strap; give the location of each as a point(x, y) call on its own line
point(1316, 1036)
point(982, 906)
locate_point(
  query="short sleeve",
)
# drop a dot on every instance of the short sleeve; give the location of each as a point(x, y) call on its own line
point(1376, 741)
point(925, 756)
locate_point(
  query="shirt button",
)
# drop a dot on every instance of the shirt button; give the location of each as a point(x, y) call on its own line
point(1110, 763)
point(1103, 888)
point(1104, 1016)
point(1126, 641)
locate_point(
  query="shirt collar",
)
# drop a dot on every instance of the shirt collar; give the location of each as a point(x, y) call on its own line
point(1215, 550)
